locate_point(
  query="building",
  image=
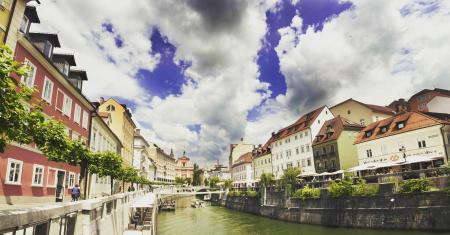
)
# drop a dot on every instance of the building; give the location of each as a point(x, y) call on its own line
point(15, 18)
point(103, 139)
point(185, 168)
point(26, 173)
point(262, 161)
point(237, 150)
point(291, 146)
point(360, 112)
point(122, 125)
point(165, 164)
point(405, 137)
point(141, 160)
point(436, 100)
point(333, 147)
point(242, 171)
point(220, 171)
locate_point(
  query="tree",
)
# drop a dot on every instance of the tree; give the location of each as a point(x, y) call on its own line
point(188, 181)
point(213, 181)
point(179, 180)
point(196, 176)
point(110, 165)
point(228, 183)
point(127, 174)
point(289, 178)
point(206, 182)
point(266, 179)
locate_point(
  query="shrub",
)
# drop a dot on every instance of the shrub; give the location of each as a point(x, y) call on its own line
point(415, 185)
point(363, 189)
point(307, 192)
point(234, 193)
point(251, 193)
point(340, 188)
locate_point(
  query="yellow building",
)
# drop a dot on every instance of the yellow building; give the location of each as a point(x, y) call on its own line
point(12, 21)
point(122, 125)
point(361, 113)
point(262, 162)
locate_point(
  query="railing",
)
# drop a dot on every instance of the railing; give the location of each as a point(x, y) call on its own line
point(108, 214)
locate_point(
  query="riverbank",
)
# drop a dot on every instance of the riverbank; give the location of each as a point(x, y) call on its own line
point(424, 211)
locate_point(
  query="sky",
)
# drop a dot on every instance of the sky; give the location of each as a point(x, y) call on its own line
point(200, 74)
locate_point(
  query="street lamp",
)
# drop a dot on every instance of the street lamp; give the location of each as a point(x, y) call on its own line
point(403, 150)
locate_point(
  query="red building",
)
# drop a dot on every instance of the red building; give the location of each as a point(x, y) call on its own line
point(25, 173)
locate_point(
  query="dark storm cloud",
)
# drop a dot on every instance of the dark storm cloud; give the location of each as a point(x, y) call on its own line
point(219, 14)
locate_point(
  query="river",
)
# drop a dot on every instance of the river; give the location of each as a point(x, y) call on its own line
point(213, 220)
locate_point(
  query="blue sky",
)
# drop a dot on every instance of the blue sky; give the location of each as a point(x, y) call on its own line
point(199, 74)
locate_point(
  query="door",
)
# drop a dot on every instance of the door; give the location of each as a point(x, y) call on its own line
point(60, 186)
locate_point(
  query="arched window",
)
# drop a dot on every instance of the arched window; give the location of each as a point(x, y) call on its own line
point(110, 108)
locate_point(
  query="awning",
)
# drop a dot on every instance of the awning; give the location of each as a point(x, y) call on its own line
point(409, 160)
point(330, 173)
point(145, 201)
point(307, 174)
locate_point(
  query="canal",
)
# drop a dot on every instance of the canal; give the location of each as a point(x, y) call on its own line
point(213, 220)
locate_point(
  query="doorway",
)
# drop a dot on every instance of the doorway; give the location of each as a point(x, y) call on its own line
point(60, 176)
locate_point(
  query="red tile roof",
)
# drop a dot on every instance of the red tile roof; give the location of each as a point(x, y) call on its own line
point(332, 129)
point(244, 158)
point(413, 121)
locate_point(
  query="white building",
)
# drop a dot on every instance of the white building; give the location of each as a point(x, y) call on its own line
point(292, 145)
point(439, 104)
point(419, 136)
point(141, 158)
point(165, 164)
point(102, 140)
point(237, 150)
point(242, 171)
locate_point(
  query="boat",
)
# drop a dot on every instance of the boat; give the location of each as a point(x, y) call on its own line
point(167, 206)
point(198, 204)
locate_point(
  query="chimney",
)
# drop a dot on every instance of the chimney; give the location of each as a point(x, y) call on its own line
point(242, 139)
point(102, 100)
point(273, 133)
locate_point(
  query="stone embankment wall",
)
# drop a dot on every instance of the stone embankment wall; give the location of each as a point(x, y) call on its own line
point(426, 211)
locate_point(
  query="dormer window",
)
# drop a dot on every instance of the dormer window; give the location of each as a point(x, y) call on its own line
point(24, 24)
point(111, 108)
point(400, 125)
point(48, 49)
point(383, 129)
point(66, 68)
point(368, 133)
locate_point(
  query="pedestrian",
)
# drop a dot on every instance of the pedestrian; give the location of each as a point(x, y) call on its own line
point(75, 193)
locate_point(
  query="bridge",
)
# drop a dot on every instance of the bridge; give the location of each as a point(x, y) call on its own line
point(199, 190)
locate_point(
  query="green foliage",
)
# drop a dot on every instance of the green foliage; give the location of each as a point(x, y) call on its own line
point(206, 182)
point(109, 164)
point(266, 179)
point(444, 169)
point(251, 193)
point(228, 183)
point(234, 193)
point(290, 176)
point(213, 181)
point(341, 188)
point(128, 174)
point(307, 192)
point(179, 180)
point(196, 175)
point(363, 189)
point(415, 185)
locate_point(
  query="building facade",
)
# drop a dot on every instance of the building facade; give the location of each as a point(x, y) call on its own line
point(292, 145)
point(14, 21)
point(262, 162)
point(436, 100)
point(361, 113)
point(333, 147)
point(165, 164)
point(141, 160)
point(237, 150)
point(410, 135)
point(220, 171)
point(122, 125)
point(103, 140)
point(26, 173)
point(185, 168)
point(242, 171)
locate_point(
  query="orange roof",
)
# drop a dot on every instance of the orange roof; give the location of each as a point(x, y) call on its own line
point(332, 129)
point(244, 158)
point(304, 122)
point(261, 151)
point(413, 121)
point(442, 92)
point(373, 107)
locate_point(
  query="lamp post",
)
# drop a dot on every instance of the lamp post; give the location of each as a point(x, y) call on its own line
point(403, 150)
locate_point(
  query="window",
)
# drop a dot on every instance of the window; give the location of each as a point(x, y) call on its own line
point(318, 121)
point(14, 171)
point(85, 120)
point(422, 144)
point(332, 149)
point(71, 180)
point(422, 107)
point(47, 90)
point(28, 79)
point(296, 137)
point(38, 175)
point(77, 114)
point(306, 133)
point(24, 24)
point(307, 148)
point(362, 122)
point(111, 108)
point(368, 133)
point(301, 135)
point(303, 149)
point(303, 163)
point(309, 161)
point(333, 163)
point(94, 139)
point(67, 105)
point(369, 152)
point(400, 125)
point(324, 150)
point(349, 112)
point(448, 138)
point(383, 129)
point(48, 49)
point(296, 150)
point(66, 68)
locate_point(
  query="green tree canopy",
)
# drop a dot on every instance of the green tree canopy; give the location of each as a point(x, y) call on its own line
point(213, 181)
point(266, 179)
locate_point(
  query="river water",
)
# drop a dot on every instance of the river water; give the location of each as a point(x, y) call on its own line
point(213, 220)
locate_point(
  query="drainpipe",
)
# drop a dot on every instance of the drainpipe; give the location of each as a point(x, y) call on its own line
point(443, 139)
point(8, 26)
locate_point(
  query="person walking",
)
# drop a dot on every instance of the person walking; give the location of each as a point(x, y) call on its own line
point(75, 193)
